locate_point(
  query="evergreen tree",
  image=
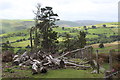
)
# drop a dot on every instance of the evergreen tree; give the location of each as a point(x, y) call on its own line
point(77, 42)
point(81, 40)
point(45, 37)
point(67, 42)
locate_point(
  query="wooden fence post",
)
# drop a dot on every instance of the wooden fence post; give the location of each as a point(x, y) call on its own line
point(31, 39)
point(97, 61)
point(82, 54)
point(87, 54)
point(91, 51)
point(110, 60)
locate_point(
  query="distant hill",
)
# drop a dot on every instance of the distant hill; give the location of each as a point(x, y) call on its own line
point(63, 23)
point(14, 25)
point(89, 22)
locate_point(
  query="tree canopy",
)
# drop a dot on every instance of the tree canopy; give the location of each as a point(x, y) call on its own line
point(45, 37)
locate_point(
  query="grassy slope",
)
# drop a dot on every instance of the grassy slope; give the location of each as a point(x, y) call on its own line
point(65, 73)
point(68, 29)
point(101, 30)
point(69, 73)
point(112, 24)
point(59, 73)
point(15, 25)
point(107, 47)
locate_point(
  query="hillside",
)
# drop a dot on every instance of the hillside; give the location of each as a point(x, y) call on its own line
point(19, 42)
point(14, 25)
point(90, 22)
point(21, 39)
point(63, 23)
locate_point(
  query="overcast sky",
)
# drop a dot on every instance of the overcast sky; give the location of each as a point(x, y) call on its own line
point(101, 10)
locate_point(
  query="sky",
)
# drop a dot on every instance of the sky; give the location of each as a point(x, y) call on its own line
point(72, 10)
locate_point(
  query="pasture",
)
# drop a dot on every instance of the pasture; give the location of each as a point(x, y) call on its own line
point(20, 38)
point(94, 36)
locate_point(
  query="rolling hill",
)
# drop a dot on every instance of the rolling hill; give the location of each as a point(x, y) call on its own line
point(19, 38)
point(90, 22)
point(14, 25)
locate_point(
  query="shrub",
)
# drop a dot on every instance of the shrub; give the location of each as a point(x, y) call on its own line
point(101, 45)
point(28, 46)
point(9, 70)
point(93, 27)
point(7, 56)
point(104, 25)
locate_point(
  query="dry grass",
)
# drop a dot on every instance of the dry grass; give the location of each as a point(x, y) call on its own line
point(106, 44)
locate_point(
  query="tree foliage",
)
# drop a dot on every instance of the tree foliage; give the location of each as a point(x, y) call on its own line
point(81, 39)
point(45, 37)
point(67, 42)
point(76, 42)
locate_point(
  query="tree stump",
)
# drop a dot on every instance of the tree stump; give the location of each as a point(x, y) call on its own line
point(62, 64)
point(43, 70)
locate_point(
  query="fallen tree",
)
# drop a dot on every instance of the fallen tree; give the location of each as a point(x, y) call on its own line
point(40, 63)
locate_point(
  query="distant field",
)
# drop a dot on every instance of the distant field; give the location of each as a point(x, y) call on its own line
point(91, 36)
point(99, 32)
point(107, 47)
point(112, 24)
point(107, 44)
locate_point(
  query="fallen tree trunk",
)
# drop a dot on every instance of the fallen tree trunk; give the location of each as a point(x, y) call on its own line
point(73, 64)
point(41, 65)
point(68, 53)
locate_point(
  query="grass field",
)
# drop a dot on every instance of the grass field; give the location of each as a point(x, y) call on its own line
point(112, 24)
point(58, 73)
point(107, 47)
point(26, 72)
point(72, 30)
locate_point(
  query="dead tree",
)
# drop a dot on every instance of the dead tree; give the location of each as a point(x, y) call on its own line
point(40, 65)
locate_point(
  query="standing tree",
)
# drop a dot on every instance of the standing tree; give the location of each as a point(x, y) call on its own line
point(44, 37)
point(77, 42)
point(81, 41)
point(67, 42)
